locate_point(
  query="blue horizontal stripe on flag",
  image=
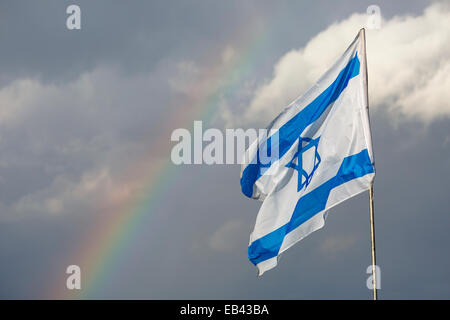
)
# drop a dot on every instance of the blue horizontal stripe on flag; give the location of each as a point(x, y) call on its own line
point(352, 167)
point(292, 129)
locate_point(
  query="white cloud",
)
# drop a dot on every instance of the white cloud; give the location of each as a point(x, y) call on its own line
point(408, 60)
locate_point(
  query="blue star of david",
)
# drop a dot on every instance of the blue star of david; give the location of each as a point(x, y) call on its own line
point(304, 144)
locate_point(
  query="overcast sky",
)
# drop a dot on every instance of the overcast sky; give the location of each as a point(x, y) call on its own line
point(85, 123)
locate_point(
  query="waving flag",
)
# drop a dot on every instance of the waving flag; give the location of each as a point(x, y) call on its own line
point(323, 157)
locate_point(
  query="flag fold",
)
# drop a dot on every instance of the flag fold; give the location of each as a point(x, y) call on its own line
point(323, 156)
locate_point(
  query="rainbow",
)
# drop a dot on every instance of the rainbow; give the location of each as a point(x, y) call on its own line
point(112, 232)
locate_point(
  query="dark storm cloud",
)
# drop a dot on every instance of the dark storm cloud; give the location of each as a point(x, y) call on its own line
point(134, 36)
point(92, 99)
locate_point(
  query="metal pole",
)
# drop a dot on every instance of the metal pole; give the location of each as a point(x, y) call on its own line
point(372, 221)
point(372, 240)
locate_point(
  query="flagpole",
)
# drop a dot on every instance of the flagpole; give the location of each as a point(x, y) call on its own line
point(372, 219)
point(372, 240)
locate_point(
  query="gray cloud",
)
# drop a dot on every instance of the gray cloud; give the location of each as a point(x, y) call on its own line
point(225, 238)
point(75, 137)
point(77, 109)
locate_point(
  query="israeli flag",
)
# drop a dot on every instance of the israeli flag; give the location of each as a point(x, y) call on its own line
point(323, 157)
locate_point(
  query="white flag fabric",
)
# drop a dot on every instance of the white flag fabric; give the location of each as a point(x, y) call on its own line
point(323, 156)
